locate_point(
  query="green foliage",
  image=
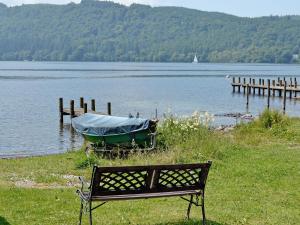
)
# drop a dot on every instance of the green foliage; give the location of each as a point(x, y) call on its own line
point(87, 162)
point(105, 31)
point(273, 119)
point(189, 137)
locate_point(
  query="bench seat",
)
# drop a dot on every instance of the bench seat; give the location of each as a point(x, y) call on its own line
point(143, 195)
point(145, 182)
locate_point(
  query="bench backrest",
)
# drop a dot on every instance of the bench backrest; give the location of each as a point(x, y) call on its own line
point(148, 179)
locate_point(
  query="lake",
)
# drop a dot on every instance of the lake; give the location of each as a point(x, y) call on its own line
point(29, 93)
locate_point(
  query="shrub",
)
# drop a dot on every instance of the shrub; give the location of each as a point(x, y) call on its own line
point(273, 119)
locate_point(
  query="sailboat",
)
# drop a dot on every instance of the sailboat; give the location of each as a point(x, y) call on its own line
point(195, 59)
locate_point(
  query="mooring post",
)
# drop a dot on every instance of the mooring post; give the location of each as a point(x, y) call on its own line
point(244, 86)
point(239, 87)
point(291, 82)
point(278, 80)
point(109, 108)
point(61, 110)
point(259, 89)
point(284, 97)
point(263, 83)
point(248, 90)
point(233, 84)
point(253, 86)
point(85, 108)
point(280, 90)
point(249, 86)
point(295, 88)
point(273, 87)
point(93, 105)
point(81, 102)
point(72, 111)
point(269, 93)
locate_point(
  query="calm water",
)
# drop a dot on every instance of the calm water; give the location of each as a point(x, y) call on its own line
point(29, 93)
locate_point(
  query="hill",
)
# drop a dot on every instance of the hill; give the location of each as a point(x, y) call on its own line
point(106, 31)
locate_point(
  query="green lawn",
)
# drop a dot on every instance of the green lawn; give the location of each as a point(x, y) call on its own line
point(254, 180)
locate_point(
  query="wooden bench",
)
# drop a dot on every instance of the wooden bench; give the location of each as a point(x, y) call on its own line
point(143, 182)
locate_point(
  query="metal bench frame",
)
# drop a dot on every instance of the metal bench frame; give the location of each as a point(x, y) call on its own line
point(143, 182)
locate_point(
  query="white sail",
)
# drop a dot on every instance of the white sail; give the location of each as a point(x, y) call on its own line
point(195, 59)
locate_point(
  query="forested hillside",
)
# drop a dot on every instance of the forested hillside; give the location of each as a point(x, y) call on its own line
point(105, 31)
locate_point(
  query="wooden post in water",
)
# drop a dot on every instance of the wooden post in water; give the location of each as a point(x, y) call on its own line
point(239, 87)
point(295, 88)
point(263, 83)
point(108, 108)
point(284, 97)
point(248, 90)
point(85, 108)
point(233, 84)
point(259, 89)
point(269, 93)
point(274, 85)
point(72, 111)
point(244, 86)
point(291, 82)
point(249, 86)
point(253, 86)
point(280, 91)
point(93, 105)
point(81, 102)
point(61, 110)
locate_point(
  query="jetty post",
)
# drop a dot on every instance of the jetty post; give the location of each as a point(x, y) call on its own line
point(253, 86)
point(239, 87)
point(81, 102)
point(233, 86)
point(109, 108)
point(259, 89)
point(263, 89)
point(269, 93)
point(273, 87)
point(295, 87)
point(85, 108)
point(93, 105)
point(248, 90)
point(72, 110)
point(61, 110)
point(244, 85)
point(284, 97)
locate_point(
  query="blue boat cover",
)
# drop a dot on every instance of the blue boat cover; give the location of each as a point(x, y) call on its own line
point(102, 125)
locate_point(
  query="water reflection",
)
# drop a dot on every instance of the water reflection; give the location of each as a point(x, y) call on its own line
point(68, 138)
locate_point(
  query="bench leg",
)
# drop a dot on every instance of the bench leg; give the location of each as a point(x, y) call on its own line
point(80, 213)
point(203, 209)
point(90, 211)
point(189, 208)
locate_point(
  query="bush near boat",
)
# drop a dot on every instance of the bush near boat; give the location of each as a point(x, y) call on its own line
point(254, 178)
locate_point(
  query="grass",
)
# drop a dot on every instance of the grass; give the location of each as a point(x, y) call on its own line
point(254, 179)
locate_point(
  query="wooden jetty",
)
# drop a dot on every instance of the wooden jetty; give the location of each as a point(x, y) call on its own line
point(75, 112)
point(275, 88)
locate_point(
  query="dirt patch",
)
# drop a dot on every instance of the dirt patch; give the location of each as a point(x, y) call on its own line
point(71, 181)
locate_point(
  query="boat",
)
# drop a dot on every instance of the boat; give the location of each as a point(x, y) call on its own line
point(195, 59)
point(108, 132)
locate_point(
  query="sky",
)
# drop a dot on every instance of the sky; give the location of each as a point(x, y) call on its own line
point(247, 8)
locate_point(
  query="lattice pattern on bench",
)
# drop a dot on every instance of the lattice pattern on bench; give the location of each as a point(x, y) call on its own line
point(123, 181)
point(179, 178)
